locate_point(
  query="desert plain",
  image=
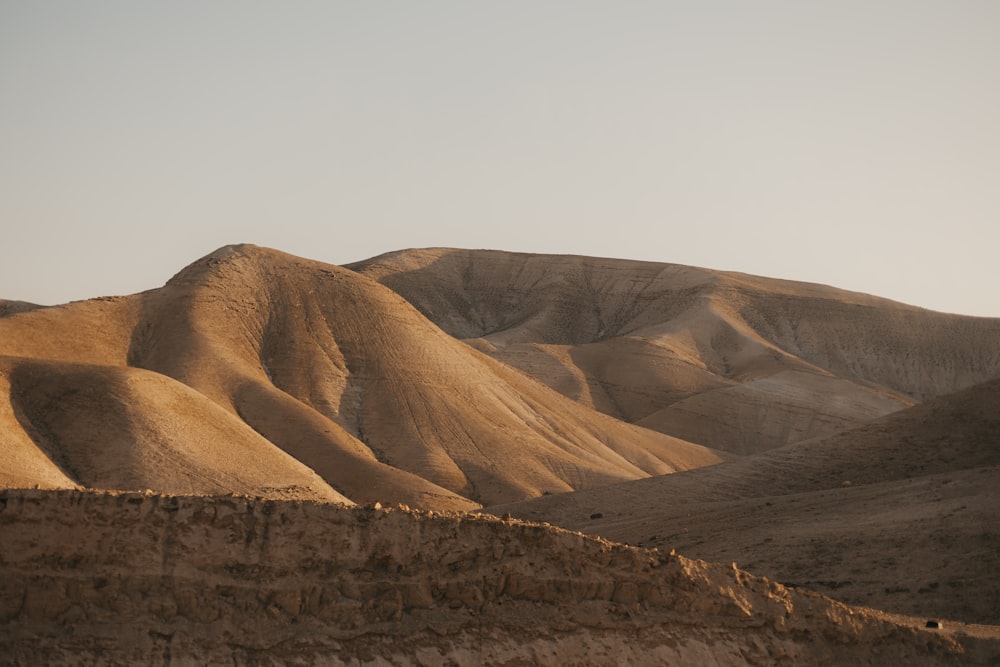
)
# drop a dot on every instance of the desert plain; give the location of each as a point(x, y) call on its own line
point(441, 457)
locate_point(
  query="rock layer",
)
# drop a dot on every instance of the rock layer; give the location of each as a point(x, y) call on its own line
point(183, 580)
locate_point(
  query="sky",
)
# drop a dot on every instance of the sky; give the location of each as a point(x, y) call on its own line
point(851, 143)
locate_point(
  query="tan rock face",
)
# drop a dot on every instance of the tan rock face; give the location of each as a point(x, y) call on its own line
point(140, 578)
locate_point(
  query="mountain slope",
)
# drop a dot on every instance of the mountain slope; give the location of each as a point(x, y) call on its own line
point(668, 346)
point(899, 514)
point(338, 372)
point(122, 428)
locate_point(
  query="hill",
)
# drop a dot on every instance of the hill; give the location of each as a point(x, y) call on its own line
point(251, 357)
point(898, 514)
point(198, 452)
point(731, 361)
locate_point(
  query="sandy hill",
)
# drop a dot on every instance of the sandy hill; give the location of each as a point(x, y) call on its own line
point(899, 514)
point(727, 360)
point(257, 372)
point(143, 579)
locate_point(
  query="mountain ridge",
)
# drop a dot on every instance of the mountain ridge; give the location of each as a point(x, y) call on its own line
point(346, 377)
point(350, 378)
point(636, 339)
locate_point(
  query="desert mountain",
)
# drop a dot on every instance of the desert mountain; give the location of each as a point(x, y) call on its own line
point(196, 448)
point(899, 514)
point(727, 360)
point(256, 372)
point(123, 428)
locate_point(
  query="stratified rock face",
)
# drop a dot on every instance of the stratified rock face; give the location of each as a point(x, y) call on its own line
point(731, 361)
point(131, 578)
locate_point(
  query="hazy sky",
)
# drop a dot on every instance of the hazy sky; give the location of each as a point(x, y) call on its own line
point(850, 143)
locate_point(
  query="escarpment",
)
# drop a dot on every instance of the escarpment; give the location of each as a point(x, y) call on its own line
point(140, 577)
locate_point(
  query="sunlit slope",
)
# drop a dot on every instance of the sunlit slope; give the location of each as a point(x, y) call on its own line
point(392, 386)
point(728, 360)
point(899, 514)
point(344, 376)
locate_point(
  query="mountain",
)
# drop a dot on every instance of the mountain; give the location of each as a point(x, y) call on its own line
point(899, 514)
point(199, 453)
point(257, 372)
point(731, 361)
point(114, 427)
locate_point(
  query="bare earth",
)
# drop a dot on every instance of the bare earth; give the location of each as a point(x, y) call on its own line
point(312, 380)
point(126, 578)
point(184, 468)
point(900, 514)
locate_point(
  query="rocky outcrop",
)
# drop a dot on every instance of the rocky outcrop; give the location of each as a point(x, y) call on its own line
point(132, 578)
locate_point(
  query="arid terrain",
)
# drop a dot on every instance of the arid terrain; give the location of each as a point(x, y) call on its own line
point(900, 514)
point(329, 385)
point(129, 578)
point(191, 472)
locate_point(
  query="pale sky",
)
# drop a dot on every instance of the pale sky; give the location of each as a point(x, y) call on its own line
point(852, 143)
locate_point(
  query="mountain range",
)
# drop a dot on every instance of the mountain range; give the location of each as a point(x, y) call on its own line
point(824, 439)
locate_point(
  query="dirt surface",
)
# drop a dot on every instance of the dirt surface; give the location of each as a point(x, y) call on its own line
point(898, 515)
point(133, 578)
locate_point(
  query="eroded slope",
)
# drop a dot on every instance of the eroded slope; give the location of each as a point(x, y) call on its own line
point(899, 514)
point(337, 373)
point(732, 361)
point(142, 578)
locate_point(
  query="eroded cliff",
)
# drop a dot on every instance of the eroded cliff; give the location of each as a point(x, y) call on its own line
point(126, 578)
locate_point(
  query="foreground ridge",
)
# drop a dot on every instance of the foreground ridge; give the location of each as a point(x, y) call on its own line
point(131, 577)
